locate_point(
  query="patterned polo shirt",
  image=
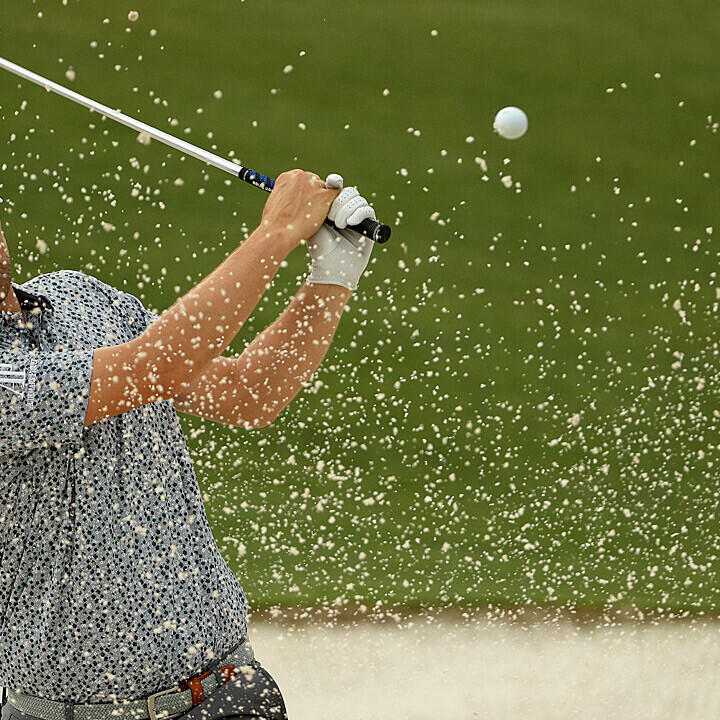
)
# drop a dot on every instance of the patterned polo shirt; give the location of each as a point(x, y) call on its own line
point(111, 584)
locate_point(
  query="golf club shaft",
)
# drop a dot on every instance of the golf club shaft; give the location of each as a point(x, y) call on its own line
point(370, 228)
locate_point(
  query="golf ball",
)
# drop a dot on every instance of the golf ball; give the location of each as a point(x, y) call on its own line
point(510, 123)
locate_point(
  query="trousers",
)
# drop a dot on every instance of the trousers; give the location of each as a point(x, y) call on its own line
point(252, 694)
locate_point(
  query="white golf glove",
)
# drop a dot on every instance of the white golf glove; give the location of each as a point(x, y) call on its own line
point(340, 256)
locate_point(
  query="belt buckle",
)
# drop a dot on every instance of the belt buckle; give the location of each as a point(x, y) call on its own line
point(151, 701)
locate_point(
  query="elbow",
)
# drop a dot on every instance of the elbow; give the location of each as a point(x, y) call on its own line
point(259, 411)
point(267, 419)
point(257, 423)
point(258, 420)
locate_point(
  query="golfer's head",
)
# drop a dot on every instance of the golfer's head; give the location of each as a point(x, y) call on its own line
point(5, 268)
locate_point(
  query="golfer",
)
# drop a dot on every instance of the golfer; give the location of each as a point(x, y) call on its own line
point(115, 602)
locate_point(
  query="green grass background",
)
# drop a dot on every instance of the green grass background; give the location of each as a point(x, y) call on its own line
point(521, 405)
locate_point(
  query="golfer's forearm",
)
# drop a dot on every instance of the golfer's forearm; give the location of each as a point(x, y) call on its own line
point(286, 354)
point(201, 324)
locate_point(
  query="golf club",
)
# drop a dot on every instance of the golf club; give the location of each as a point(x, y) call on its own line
point(376, 231)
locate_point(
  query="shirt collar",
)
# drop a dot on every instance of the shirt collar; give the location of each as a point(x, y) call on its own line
point(28, 302)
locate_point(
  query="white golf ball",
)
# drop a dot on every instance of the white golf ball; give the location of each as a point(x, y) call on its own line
point(510, 123)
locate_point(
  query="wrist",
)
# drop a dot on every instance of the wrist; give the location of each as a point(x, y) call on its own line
point(332, 276)
point(327, 290)
point(278, 241)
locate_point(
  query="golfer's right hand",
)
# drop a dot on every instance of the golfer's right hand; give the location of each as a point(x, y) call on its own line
point(298, 205)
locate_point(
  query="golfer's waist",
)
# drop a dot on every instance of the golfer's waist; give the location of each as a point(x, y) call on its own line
point(166, 703)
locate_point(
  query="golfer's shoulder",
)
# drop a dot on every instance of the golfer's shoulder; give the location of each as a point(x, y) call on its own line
point(76, 287)
point(70, 281)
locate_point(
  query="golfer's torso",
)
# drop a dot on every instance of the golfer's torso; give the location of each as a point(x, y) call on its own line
point(112, 585)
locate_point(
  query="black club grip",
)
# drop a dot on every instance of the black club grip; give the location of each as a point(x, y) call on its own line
point(377, 231)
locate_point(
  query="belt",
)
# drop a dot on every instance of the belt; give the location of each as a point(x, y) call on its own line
point(163, 704)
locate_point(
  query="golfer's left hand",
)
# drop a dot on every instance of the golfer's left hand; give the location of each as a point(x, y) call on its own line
point(340, 256)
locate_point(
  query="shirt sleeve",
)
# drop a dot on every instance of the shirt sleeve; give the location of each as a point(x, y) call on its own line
point(43, 398)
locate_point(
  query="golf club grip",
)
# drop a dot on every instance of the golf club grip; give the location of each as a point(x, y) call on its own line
point(377, 231)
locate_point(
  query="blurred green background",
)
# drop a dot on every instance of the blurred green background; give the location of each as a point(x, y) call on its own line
point(521, 405)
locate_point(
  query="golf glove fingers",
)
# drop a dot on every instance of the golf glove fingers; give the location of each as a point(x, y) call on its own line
point(339, 256)
point(350, 208)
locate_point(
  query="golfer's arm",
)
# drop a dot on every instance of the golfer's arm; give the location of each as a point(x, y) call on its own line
point(252, 389)
point(162, 362)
